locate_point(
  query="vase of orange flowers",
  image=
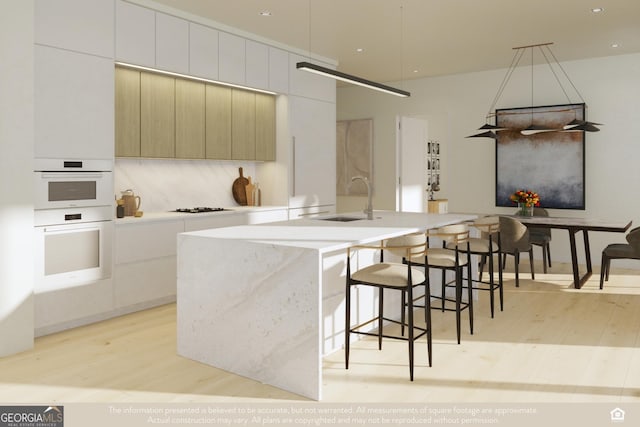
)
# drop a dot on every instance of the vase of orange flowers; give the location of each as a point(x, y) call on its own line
point(526, 200)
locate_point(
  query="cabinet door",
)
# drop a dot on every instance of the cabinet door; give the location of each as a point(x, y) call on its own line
point(135, 34)
point(232, 62)
point(190, 126)
point(127, 112)
point(243, 125)
point(218, 122)
point(157, 115)
point(203, 51)
point(313, 172)
point(80, 25)
point(265, 127)
point(257, 65)
point(278, 70)
point(172, 43)
point(74, 105)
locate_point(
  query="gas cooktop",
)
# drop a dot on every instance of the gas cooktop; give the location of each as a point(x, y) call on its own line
point(201, 210)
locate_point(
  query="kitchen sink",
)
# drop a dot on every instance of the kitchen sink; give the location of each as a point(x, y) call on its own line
point(341, 218)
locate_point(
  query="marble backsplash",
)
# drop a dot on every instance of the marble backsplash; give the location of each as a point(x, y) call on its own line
point(165, 185)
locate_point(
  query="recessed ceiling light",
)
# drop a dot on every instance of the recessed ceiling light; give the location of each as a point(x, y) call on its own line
point(265, 13)
point(415, 71)
point(597, 10)
point(359, 49)
point(615, 45)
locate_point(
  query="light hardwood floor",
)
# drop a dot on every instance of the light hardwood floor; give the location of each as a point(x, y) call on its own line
point(551, 343)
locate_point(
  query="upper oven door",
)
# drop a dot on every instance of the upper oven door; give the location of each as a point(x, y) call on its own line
point(73, 189)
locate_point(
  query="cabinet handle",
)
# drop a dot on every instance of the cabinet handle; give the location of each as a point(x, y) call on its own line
point(293, 166)
point(313, 213)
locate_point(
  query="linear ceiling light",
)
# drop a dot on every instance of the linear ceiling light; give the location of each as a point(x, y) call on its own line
point(317, 69)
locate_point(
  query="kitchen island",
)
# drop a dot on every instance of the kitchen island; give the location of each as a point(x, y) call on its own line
point(267, 301)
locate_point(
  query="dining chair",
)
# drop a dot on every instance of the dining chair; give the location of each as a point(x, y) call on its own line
point(404, 277)
point(453, 255)
point(629, 250)
point(514, 240)
point(539, 236)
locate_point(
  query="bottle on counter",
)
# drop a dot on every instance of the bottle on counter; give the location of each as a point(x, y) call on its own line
point(257, 195)
point(120, 208)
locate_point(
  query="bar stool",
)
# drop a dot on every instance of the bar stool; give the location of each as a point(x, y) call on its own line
point(404, 277)
point(487, 246)
point(453, 256)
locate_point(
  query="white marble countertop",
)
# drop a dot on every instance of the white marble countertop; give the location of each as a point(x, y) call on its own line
point(170, 215)
point(327, 236)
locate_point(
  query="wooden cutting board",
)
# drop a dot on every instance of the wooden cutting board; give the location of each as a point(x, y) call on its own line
point(239, 189)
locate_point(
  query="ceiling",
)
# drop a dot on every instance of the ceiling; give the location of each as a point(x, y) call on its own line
point(408, 39)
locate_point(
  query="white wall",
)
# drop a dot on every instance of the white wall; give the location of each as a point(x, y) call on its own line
point(457, 105)
point(16, 176)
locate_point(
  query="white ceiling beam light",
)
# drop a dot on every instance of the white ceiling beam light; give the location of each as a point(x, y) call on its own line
point(344, 77)
point(492, 131)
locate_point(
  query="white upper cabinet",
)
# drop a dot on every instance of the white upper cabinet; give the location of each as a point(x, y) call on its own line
point(257, 65)
point(203, 51)
point(135, 34)
point(80, 25)
point(74, 105)
point(172, 43)
point(278, 70)
point(232, 59)
point(304, 83)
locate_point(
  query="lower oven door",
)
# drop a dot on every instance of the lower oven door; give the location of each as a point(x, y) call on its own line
point(72, 254)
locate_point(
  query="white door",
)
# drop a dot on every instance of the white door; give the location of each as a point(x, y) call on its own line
point(410, 167)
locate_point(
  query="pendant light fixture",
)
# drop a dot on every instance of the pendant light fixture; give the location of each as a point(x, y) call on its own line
point(349, 78)
point(492, 130)
point(334, 74)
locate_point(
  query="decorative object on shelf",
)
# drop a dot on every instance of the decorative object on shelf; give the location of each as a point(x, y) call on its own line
point(551, 162)
point(536, 116)
point(433, 168)
point(526, 200)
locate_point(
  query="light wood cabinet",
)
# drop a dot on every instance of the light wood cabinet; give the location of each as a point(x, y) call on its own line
point(243, 125)
point(218, 122)
point(265, 127)
point(127, 126)
point(157, 115)
point(166, 117)
point(190, 119)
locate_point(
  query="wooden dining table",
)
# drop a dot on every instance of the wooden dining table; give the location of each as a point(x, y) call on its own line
point(573, 226)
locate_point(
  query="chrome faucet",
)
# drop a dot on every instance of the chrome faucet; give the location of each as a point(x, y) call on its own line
point(369, 209)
